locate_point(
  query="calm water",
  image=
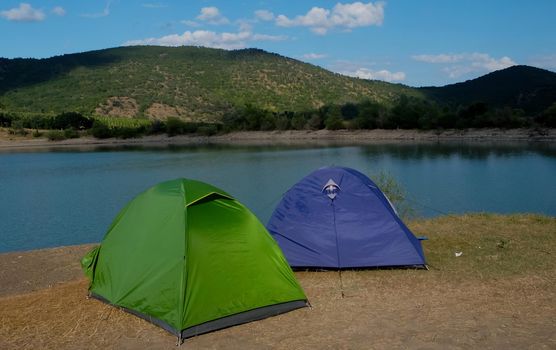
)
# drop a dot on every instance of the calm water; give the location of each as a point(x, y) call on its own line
point(53, 198)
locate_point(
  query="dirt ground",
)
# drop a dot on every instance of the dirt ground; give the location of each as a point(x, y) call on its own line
point(454, 305)
point(9, 142)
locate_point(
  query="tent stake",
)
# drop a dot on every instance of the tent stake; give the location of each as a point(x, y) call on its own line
point(180, 341)
point(341, 283)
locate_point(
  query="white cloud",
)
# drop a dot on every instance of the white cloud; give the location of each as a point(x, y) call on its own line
point(105, 12)
point(212, 15)
point(442, 58)
point(59, 10)
point(386, 75)
point(23, 13)
point(358, 14)
point(264, 15)
point(155, 5)
point(490, 63)
point(344, 16)
point(456, 65)
point(190, 23)
point(313, 56)
point(244, 25)
point(266, 37)
point(206, 38)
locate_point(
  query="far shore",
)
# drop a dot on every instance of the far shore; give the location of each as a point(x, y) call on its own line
point(293, 137)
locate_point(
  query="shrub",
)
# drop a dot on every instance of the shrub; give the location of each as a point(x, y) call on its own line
point(315, 122)
point(548, 117)
point(18, 128)
point(71, 134)
point(298, 122)
point(333, 123)
point(71, 120)
point(156, 127)
point(207, 130)
point(100, 130)
point(5, 119)
point(18, 131)
point(282, 122)
point(189, 128)
point(127, 133)
point(174, 126)
point(55, 135)
point(395, 192)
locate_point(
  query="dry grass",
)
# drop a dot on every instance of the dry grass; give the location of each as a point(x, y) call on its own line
point(492, 245)
point(23, 272)
point(496, 295)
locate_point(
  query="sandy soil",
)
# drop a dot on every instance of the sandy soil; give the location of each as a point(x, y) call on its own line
point(455, 305)
point(13, 142)
point(380, 310)
point(24, 272)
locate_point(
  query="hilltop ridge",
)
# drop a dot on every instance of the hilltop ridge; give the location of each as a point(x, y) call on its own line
point(529, 88)
point(189, 82)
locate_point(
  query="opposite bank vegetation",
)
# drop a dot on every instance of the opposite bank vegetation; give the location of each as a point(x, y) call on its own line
point(406, 113)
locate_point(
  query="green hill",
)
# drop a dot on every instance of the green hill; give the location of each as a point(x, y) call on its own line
point(243, 89)
point(524, 87)
point(192, 83)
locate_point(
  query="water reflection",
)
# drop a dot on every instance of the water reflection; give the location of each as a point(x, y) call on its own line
point(400, 150)
point(462, 150)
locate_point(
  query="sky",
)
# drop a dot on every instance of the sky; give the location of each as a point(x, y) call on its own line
point(413, 42)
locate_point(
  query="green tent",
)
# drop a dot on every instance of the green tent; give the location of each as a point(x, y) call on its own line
point(190, 258)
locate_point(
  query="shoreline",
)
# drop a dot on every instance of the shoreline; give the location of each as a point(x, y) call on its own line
point(292, 137)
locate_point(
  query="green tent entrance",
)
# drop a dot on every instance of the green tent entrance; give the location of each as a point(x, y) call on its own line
point(190, 258)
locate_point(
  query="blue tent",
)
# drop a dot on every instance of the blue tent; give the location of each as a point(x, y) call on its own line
point(338, 218)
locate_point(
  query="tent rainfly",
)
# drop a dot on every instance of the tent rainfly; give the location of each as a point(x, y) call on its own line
point(191, 259)
point(338, 218)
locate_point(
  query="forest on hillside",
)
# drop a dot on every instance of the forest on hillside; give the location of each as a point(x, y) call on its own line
point(407, 113)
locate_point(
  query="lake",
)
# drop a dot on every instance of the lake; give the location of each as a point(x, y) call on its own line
point(62, 197)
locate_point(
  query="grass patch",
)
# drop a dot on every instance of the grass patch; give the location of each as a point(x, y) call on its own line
point(491, 245)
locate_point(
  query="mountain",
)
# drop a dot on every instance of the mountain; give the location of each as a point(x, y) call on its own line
point(202, 84)
point(193, 83)
point(528, 88)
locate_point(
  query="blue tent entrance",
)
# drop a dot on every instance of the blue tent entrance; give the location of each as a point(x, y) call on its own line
point(338, 218)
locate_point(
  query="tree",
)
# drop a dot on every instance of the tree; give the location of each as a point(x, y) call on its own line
point(234, 120)
point(368, 115)
point(334, 123)
point(315, 122)
point(100, 130)
point(349, 111)
point(282, 122)
point(298, 122)
point(548, 117)
point(405, 114)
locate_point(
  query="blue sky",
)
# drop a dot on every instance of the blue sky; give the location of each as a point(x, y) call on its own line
point(425, 42)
